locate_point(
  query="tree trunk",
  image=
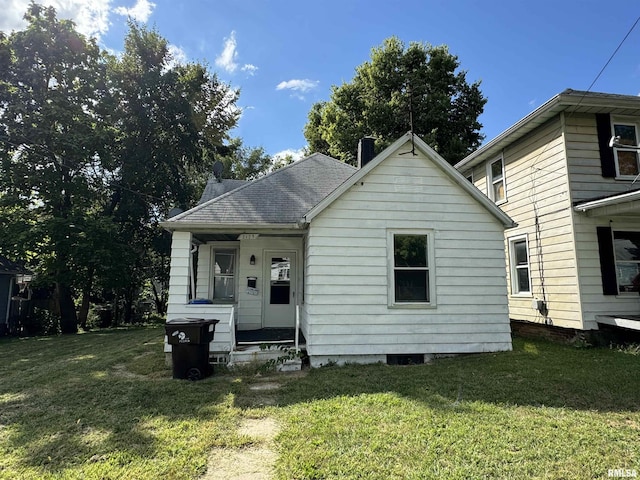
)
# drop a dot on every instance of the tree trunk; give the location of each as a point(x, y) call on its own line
point(84, 306)
point(68, 317)
point(128, 305)
point(160, 298)
point(84, 310)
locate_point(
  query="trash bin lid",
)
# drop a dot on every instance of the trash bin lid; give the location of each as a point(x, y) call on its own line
point(192, 321)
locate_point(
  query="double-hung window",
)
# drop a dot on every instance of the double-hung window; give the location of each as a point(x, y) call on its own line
point(224, 274)
point(626, 248)
point(411, 268)
point(627, 164)
point(520, 268)
point(496, 182)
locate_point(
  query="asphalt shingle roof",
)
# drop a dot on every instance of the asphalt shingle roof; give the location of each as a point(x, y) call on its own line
point(281, 197)
point(215, 188)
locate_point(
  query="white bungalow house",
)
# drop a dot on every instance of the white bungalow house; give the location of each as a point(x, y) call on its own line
point(399, 257)
point(573, 262)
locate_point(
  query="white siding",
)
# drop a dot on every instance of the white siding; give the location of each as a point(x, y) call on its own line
point(587, 182)
point(179, 295)
point(203, 274)
point(583, 156)
point(179, 270)
point(346, 277)
point(537, 183)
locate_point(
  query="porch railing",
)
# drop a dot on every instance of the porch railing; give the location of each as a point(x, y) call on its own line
point(297, 337)
point(232, 329)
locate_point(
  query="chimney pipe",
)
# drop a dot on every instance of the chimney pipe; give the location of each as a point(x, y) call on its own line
point(365, 151)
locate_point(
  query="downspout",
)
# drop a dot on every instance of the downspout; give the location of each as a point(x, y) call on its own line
point(192, 274)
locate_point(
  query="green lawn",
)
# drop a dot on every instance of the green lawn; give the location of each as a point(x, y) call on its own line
point(103, 405)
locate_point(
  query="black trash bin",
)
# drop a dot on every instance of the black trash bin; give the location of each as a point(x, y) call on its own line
point(189, 339)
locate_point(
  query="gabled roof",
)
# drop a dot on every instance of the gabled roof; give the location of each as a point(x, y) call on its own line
point(215, 188)
point(568, 100)
point(435, 158)
point(280, 198)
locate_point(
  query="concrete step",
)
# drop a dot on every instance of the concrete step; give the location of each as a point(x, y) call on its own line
point(253, 354)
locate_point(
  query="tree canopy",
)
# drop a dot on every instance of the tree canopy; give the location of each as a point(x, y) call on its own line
point(94, 149)
point(422, 79)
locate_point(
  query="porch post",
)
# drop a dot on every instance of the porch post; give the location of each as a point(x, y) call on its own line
point(179, 273)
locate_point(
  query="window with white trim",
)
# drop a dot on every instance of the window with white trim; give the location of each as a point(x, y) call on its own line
point(520, 267)
point(496, 182)
point(626, 249)
point(411, 271)
point(627, 161)
point(224, 274)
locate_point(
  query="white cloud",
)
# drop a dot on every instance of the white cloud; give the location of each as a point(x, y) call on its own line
point(227, 59)
point(295, 154)
point(178, 55)
point(298, 85)
point(250, 69)
point(90, 16)
point(141, 11)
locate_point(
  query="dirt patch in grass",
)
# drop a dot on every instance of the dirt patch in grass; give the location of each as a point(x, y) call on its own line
point(254, 462)
point(121, 370)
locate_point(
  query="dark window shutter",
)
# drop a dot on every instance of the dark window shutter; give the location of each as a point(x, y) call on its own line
point(607, 262)
point(607, 162)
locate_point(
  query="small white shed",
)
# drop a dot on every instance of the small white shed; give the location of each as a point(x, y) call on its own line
point(402, 256)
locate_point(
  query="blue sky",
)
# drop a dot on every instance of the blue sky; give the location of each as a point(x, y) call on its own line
point(285, 55)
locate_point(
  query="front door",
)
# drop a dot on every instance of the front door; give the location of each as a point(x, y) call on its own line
point(280, 286)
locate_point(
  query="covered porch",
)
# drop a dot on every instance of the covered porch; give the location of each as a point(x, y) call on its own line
point(251, 282)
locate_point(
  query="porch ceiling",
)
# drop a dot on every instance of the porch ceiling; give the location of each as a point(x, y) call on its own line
point(204, 237)
point(215, 237)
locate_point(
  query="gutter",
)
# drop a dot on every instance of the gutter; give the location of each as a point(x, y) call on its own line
point(242, 227)
point(608, 201)
point(560, 102)
point(547, 107)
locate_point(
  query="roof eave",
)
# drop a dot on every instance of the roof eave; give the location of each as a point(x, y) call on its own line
point(543, 113)
point(609, 201)
point(456, 176)
point(579, 100)
point(204, 226)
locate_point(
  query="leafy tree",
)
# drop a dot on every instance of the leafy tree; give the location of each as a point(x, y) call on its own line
point(421, 78)
point(166, 117)
point(93, 150)
point(243, 163)
point(51, 82)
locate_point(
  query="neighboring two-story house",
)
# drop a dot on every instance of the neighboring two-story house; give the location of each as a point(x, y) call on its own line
point(573, 261)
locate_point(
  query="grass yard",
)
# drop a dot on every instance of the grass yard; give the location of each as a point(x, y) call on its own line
point(103, 405)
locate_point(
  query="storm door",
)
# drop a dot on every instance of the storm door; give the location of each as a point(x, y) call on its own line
point(279, 288)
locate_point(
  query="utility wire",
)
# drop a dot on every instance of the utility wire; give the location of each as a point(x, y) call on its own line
point(614, 53)
point(532, 194)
